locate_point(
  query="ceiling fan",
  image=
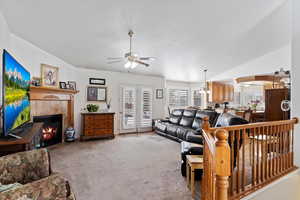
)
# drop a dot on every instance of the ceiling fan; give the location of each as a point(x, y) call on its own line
point(132, 59)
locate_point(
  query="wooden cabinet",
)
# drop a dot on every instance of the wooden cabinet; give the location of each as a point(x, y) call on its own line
point(273, 99)
point(97, 125)
point(220, 92)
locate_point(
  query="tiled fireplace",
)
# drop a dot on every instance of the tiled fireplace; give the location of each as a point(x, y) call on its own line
point(52, 129)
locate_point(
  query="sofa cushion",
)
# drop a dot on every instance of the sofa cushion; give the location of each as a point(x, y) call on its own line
point(192, 137)
point(177, 112)
point(171, 129)
point(197, 123)
point(189, 113)
point(212, 115)
point(161, 126)
point(227, 119)
point(186, 121)
point(175, 119)
point(181, 132)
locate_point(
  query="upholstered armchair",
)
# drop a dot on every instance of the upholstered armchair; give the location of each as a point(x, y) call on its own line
point(32, 171)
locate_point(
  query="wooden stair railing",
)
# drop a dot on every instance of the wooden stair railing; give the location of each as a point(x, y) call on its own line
point(216, 167)
point(239, 160)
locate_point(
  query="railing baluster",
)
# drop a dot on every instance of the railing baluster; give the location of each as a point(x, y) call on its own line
point(253, 158)
point(264, 152)
point(272, 151)
point(237, 149)
point(280, 149)
point(257, 157)
point(232, 140)
point(243, 159)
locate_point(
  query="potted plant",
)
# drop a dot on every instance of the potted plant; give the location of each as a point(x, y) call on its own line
point(92, 107)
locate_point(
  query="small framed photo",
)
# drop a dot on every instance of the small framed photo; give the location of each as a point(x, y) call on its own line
point(97, 81)
point(62, 85)
point(72, 85)
point(49, 76)
point(36, 81)
point(159, 93)
point(96, 93)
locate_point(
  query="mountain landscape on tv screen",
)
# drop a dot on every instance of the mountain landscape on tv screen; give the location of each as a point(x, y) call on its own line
point(16, 90)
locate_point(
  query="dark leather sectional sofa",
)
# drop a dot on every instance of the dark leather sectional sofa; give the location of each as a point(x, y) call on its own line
point(186, 124)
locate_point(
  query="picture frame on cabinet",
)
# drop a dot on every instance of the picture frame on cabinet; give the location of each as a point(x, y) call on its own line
point(62, 85)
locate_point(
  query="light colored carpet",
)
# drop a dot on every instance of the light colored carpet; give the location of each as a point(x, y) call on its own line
point(131, 167)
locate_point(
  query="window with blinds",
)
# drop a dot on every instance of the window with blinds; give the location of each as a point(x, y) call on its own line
point(197, 97)
point(178, 97)
point(146, 109)
point(129, 108)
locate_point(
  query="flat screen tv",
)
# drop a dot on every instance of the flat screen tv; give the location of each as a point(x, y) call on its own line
point(16, 84)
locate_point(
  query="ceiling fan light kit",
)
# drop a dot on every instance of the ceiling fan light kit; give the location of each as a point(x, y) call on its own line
point(130, 65)
point(132, 60)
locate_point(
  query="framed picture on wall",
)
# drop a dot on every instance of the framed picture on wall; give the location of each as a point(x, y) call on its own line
point(97, 81)
point(96, 93)
point(72, 85)
point(49, 76)
point(159, 93)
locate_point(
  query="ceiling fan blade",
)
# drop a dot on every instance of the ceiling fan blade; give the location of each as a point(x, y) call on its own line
point(142, 63)
point(116, 61)
point(117, 58)
point(147, 58)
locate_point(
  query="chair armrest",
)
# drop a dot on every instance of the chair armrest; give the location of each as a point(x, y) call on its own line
point(198, 131)
point(51, 187)
point(164, 120)
point(193, 138)
point(25, 167)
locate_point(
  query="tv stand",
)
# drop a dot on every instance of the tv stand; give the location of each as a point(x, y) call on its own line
point(29, 139)
point(14, 136)
point(17, 133)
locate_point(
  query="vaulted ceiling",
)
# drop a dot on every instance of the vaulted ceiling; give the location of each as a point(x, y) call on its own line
point(184, 36)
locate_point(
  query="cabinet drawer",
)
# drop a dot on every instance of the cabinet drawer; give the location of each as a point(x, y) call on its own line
point(89, 132)
point(103, 117)
point(105, 124)
point(102, 131)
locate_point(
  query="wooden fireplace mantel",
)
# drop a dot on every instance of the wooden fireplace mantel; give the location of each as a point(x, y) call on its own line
point(46, 101)
point(40, 90)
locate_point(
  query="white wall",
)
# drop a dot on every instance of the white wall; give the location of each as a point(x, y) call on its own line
point(113, 82)
point(267, 63)
point(31, 57)
point(4, 44)
point(296, 75)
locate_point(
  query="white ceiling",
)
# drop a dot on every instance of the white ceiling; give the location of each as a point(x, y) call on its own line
point(182, 35)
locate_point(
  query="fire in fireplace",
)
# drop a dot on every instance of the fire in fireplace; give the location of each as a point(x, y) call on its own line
point(52, 129)
point(49, 133)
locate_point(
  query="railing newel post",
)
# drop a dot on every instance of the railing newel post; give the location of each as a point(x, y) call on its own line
point(223, 170)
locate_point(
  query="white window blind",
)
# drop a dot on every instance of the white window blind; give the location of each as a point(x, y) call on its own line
point(146, 109)
point(129, 108)
point(197, 97)
point(178, 97)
